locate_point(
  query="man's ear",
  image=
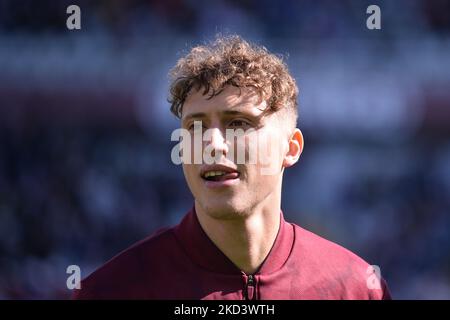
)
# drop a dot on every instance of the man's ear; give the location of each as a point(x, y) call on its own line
point(295, 148)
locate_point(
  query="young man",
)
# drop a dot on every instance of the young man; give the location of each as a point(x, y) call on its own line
point(234, 243)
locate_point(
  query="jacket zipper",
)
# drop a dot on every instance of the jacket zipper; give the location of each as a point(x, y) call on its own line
point(250, 288)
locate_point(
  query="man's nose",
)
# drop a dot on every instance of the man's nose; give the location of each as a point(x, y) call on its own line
point(217, 142)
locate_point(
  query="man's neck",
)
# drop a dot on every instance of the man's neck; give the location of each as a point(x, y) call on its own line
point(246, 241)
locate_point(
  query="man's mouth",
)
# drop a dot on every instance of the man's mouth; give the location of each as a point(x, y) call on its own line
point(218, 175)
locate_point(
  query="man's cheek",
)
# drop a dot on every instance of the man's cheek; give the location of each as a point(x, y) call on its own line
point(190, 174)
point(268, 155)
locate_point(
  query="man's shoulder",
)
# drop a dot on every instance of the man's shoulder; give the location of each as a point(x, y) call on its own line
point(323, 261)
point(130, 268)
point(323, 250)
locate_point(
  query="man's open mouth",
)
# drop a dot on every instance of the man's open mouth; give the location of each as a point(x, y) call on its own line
point(218, 175)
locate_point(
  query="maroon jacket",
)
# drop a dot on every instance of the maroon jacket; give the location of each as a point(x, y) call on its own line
point(183, 263)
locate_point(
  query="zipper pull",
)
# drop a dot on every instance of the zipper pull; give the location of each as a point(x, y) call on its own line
point(250, 288)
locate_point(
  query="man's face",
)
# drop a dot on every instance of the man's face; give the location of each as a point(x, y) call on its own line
point(229, 187)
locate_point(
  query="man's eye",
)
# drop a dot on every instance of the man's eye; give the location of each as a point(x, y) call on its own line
point(191, 127)
point(239, 123)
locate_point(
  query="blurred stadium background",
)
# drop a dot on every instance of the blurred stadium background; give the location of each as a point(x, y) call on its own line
point(85, 167)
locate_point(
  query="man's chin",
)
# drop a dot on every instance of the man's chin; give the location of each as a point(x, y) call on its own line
point(222, 210)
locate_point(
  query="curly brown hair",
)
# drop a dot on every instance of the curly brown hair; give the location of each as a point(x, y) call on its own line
point(233, 61)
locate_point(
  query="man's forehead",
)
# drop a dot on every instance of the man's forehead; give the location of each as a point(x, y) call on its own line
point(231, 100)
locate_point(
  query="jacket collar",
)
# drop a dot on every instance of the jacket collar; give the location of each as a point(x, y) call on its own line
point(203, 252)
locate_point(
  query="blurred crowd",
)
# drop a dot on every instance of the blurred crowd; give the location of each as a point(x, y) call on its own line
point(85, 167)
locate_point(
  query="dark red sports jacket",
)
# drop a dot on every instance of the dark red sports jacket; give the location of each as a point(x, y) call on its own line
point(183, 263)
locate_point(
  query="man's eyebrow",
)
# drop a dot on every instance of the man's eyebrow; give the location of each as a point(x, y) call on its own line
point(233, 112)
point(202, 114)
point(238, 112)
point(198, 115)
point(194, 115)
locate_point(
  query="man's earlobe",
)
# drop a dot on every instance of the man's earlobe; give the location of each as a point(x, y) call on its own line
point(296, 144)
